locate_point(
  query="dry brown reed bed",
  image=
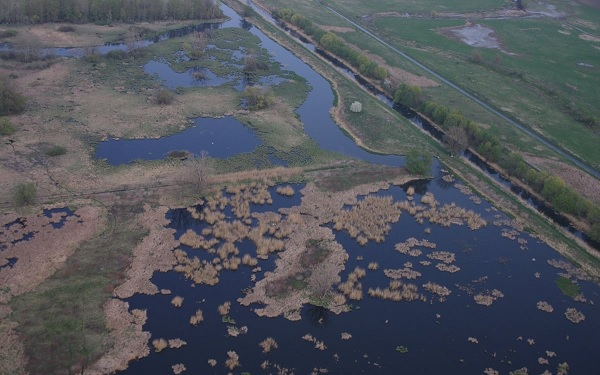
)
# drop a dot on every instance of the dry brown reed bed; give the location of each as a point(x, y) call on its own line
point(570, 269)
point(130, 341)
point(197, 318)
point(318, 344)
point(34, 266)
point(447, 268)
point(177, 301)
point(402, 273)
point(201, 272)
point(398, 291)
point(308, 221)
point(442, 256)
point(440, 290)
point(490, 371)
point(176, 343)
point(406, 247)
point(574, 315)
point(352, 288)
point(224, 308)
point(234, 331)
point(488, 297)
point(369, 219)
point(154, 253)
point(178, 368)
point(545, 306)
point(233, 360)
point(285, 190)
point(159, 344)
point(268, 344)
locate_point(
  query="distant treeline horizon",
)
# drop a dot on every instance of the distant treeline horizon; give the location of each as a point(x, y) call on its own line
point(105, 11)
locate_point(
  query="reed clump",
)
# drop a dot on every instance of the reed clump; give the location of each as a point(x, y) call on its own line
point(398, 291)
point(197, 318)
point(196, 241)
point(373, 266)
point(442, 256)
point(268, 344)
point(248, 260)
point(407, 246)
point(178, 368)
point(488, 297)
point(233, 360)
point(224, 308)
point(212, 362)
point(176, 343)
point(440, 290)
point(369, 219)
point(318, 344)
point(346, 336)
point(159, 344)
point(230, 232)
point(285, 190)
point(447, 268)
point(352, 288)
point(177, 301)
point(574, 315)
point(201, 272)
point(406, 273)
point(545, 306)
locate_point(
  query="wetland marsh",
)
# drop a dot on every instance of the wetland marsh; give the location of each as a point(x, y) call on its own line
point(340, 266)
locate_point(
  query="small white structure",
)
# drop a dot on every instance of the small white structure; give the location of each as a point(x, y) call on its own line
point(356, 107)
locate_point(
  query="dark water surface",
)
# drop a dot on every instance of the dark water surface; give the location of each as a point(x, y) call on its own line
point(435, 333)
point(220, 137)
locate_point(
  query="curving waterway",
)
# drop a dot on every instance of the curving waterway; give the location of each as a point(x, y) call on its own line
point(455, 334)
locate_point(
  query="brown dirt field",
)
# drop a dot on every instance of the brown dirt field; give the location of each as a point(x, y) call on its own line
point(585, 184)
point(40, 256)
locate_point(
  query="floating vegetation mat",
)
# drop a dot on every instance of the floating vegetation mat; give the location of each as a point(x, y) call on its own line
point(291, 279)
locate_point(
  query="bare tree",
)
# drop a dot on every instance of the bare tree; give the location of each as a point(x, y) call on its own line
point(198, 42)
point(132, 39)
point(457, 139)
point(321, 282)
point(200, 170)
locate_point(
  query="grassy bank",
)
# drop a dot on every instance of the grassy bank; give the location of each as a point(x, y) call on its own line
point(62, 321)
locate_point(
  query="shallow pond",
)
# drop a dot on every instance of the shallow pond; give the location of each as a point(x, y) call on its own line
point(314, 112)
point(220, 137)
point(456, 335)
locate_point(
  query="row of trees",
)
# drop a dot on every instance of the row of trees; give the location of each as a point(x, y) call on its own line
point(105, 11)
point(333, 44)
point(462, 132)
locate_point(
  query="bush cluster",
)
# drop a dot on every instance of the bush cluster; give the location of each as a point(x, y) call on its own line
point(552, 188)
point(11, 102)
point(331, 43)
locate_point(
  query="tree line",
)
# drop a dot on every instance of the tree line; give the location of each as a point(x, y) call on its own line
point(552, 188)
point(105, 11)
point(333, 44)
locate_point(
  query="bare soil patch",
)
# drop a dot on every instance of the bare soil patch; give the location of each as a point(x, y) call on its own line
point(589, 38)
point(474, 35)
